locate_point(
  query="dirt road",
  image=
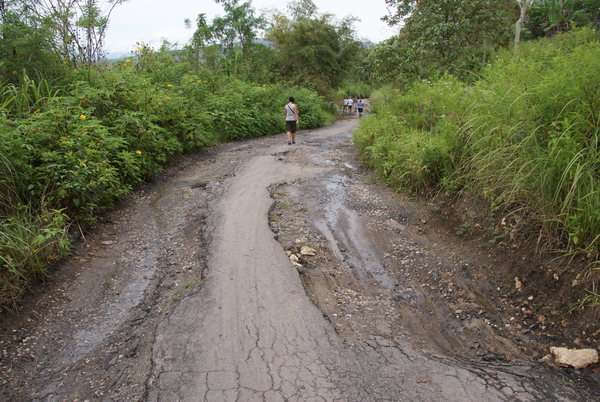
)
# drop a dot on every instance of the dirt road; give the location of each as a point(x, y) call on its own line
point(187, 292)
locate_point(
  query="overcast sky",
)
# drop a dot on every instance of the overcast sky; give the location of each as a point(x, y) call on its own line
point(152, 21)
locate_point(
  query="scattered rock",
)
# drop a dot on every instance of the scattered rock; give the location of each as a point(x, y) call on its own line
point(576, 358)
point(518, 283)
point(394, 224)
point(308, 251)
point(295, 260)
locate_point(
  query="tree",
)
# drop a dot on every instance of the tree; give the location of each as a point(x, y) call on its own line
point(446, 35)
point(26, 44)
point(312, 48)
point(548, 17)
point(238, 27)
point(76, 27)
point(236, 33)
point(201, 38)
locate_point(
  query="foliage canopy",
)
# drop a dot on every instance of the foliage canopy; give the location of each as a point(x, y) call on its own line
point(313, 48)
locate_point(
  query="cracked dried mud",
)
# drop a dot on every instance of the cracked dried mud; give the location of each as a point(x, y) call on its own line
point(187, 292)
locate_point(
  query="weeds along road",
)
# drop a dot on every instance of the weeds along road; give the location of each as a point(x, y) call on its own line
point(184, 293)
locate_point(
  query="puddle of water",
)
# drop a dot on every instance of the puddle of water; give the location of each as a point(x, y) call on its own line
point(341, 227)
point(484, 302)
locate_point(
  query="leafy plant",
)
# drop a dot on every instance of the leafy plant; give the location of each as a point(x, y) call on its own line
point(526, 136)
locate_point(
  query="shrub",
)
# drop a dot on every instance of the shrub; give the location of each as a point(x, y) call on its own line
point(526, 136)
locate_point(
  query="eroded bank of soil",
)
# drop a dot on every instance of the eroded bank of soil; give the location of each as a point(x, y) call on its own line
point(387, 269)
point(388, 264)
point(393, 266)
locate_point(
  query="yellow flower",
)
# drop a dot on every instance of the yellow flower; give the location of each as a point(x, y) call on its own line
point(138, 152)
point(166, 97)
point(169, 85)
point(82, 116)
point(127, 61)
point(247, 98)
point(14, 72)
point(198, 80)
point(35, 111)
point(160, 103)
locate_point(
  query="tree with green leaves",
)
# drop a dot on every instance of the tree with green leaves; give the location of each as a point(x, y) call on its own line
point(313, 48)
point(549, 17)
point(196, 49)
point(444, 36)
point(74, 30)
point(238, 27)
point(236, 33)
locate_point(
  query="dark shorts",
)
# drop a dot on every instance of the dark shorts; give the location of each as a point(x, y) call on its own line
point(290, 126)
point(360, 109)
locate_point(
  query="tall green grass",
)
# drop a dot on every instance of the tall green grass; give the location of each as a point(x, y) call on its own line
point(526, 136)
point(27, 96)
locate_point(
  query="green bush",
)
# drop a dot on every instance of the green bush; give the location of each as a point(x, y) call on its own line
point(410, 138)
point(526, 136)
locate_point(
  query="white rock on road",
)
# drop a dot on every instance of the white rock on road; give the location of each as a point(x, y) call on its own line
point(576, 358)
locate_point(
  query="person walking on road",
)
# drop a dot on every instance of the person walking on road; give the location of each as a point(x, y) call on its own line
point(291, 120)
point(360, 107)
point(350, 105)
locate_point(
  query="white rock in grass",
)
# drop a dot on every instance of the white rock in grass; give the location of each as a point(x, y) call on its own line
point(576, 358)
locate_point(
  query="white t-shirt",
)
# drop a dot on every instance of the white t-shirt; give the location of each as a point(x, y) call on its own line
point(290, 112)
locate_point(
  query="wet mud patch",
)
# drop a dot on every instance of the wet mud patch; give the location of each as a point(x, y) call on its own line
point(394, 267)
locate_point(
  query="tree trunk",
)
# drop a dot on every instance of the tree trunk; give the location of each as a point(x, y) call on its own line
point(524, 5)
point(518, 33)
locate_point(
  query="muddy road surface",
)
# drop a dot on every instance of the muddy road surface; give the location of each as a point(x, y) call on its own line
point(260, 271)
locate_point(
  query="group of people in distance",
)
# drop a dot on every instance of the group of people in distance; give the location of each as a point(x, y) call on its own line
point(291, 115)
point(353, 106)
